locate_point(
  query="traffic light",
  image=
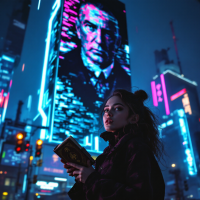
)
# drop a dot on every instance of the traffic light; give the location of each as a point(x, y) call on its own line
point(19, 142)
point(186, 186)
point(27, 145)
point(38, 148)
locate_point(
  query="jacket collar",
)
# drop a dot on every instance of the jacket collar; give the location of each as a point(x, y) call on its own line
point(124, 137)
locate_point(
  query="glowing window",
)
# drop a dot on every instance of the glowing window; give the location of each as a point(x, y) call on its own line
point(7, 182)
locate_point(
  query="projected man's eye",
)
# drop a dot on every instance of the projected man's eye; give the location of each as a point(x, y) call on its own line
point(91, 27)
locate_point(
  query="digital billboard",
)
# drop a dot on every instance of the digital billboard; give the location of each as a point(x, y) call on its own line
point(9, 156)
point(93, 61)
point(51, 163)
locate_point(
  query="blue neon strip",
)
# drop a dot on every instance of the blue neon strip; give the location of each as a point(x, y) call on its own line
point(40, 109)
point(7, 58)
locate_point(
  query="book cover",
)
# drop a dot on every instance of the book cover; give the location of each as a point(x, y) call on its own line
point(70, 151)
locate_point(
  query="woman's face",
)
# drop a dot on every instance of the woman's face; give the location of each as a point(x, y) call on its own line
point(116, 114)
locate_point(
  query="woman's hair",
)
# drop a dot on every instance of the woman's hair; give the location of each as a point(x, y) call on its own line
point(148, 123)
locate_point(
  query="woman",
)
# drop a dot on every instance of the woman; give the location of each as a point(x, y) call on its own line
point(127, 169)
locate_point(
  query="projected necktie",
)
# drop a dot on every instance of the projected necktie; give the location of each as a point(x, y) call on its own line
point(102, 85)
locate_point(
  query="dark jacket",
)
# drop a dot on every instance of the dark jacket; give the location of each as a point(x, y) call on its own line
point(126, 170)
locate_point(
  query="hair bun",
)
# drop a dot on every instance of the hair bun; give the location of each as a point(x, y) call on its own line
point(141, 94)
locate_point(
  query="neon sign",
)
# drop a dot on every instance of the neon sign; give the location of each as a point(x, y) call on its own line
point(186, 104)
point(186, 139)
point(159, 93)
point(178, 94)
point(55, 7)
point(187, 143)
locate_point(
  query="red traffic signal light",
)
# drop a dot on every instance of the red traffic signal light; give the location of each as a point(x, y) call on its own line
point(38, 148)
point(19, 142)
point(27, 145)
point(18, 149)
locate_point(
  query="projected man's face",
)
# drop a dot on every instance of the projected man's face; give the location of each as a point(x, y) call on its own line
point(98, 32)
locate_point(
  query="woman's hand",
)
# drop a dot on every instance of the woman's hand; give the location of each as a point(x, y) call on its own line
point(81, 173)
point(68, 167)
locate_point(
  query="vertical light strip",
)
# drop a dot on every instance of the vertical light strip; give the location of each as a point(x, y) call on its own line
point(39, 1)
point(153, 89)
point(40, 109)
point(96, 143)
point(165, 94)
point(5, 106)
point(23, 67)
point(24, 183)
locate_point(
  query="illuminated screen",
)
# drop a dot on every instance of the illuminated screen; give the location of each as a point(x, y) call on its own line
point(93, 61)
point(11, 158)
point(51, 163)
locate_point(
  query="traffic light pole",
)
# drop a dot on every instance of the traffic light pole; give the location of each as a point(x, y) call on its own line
point(29, 175)
point(17, 182)
point(30, 166)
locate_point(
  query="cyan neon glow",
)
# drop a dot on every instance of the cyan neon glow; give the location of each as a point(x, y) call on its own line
point(165, 94)
point(170, 122)
point(60, 179)
point(153, 89)
point(87, 143)
point(96, 143)
point(187, 143)
point(39, 1)
point(40, 109)
point(5, 107)
point(4, 57)
point(178, 94)
point(24, 183)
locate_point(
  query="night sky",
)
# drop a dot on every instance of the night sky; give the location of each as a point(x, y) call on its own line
point(148, 30)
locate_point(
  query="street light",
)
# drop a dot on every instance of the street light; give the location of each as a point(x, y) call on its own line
point(173, 165)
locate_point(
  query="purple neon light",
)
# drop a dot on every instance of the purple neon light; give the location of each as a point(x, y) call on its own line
point(165, 94)
point(153, 89)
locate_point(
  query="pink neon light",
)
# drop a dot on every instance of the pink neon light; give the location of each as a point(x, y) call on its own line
point(10, 83)
point(165, 94)
point(61, 57)
point(1, 98)
point(153, 89)
point(178, 94)
point(6, 100)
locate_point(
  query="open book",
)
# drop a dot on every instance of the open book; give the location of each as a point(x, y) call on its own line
point(71, 151)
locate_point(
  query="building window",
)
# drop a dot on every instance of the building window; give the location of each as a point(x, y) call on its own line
point(12, 182)
point(7, 182)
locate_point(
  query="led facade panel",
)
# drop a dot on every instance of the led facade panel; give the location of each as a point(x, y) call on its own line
point(93, 61)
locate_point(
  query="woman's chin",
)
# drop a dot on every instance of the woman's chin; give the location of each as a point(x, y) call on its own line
point(109, 129)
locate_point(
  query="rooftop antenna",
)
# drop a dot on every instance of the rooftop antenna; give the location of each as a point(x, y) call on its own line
point(176, 49)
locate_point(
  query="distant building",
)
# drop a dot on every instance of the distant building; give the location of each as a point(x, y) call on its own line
point(14, 17)
point(177, 101)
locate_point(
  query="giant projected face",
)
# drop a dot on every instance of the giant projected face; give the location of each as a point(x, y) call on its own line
point(98, 32)
point(93, 61)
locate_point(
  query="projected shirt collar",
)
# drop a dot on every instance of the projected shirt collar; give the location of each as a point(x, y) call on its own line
point(96, 69)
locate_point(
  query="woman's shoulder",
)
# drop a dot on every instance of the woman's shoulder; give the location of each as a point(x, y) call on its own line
point(138, 145)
